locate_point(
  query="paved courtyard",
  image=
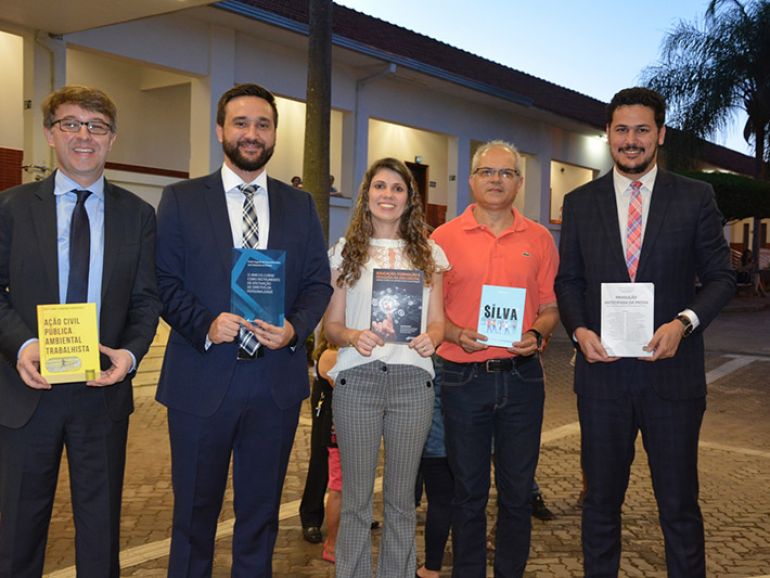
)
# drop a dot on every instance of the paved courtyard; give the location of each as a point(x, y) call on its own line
point(734, 465)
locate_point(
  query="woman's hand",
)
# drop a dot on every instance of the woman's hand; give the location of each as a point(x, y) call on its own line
point(423, 345)
point(365, 341)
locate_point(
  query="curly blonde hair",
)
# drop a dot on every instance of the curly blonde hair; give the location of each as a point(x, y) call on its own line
point(412, 227)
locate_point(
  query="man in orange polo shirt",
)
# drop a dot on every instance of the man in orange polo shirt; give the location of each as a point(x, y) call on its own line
point(494, 394)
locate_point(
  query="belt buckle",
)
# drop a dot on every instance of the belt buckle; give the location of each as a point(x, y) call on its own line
point(243, 356)
point(489, 365)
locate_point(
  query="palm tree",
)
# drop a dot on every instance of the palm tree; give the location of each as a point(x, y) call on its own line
point(315, 172)
point(708, 73)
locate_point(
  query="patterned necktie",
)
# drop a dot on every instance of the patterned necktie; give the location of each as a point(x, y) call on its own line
point(250, 240)
point(634, 230)
point(80, 251)
point(250, 225)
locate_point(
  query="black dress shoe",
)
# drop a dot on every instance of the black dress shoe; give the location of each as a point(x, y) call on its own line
point(312, 534)
point(540, 510)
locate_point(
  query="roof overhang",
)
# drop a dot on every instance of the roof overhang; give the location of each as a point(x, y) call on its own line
point(64, 17)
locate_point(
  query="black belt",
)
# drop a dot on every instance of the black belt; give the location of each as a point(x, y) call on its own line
point(498, 365)
point(243, 356)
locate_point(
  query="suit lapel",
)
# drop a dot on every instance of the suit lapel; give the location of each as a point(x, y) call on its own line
point(275, 201)
point(216, 206)
point(44, 219)
point(659, 202)
point(114, 235)
point(608, 212)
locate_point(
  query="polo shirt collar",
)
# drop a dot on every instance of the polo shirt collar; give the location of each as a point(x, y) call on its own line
point(469, 222)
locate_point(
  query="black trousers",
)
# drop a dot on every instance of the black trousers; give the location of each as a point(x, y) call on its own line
point(71, 416)
point(311, 509)
point(439, 488)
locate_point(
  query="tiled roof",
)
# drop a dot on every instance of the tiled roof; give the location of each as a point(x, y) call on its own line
point(727, 158)
point(406, 44)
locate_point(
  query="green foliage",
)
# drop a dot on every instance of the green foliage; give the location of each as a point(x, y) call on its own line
point(737, 197)
point(709, 71)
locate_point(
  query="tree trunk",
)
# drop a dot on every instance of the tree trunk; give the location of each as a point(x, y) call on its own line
point(315, 172)
point(761, 174)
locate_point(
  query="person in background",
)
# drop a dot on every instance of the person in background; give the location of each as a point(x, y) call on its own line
point(325, 355)
point(311, 508)
point(296, 182)
point(439, 490)
point(539, 509)
point(332, 189)
point(383, 390)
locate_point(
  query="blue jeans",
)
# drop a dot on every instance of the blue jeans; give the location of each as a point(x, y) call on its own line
point(480, 408)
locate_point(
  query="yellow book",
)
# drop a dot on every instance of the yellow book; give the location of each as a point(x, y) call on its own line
point(69, 342)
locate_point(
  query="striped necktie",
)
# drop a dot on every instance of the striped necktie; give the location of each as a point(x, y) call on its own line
point(250, 240)
point(634, 230)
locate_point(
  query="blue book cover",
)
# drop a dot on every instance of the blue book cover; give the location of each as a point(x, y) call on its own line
point(397, 304)
point(258, 285)
point(501, 314)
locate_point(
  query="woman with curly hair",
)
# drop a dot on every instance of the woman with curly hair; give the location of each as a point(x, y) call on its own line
point(383, 387)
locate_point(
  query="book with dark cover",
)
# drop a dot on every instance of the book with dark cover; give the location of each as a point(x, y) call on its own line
point(397, 304)
point(501, 314)
point(258, 285)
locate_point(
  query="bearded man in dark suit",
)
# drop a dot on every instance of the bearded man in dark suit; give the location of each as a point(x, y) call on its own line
point(642, 224)
point(225, 399)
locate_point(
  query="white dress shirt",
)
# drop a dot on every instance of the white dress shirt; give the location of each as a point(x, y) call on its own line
point(623, 200)
point(235, 197)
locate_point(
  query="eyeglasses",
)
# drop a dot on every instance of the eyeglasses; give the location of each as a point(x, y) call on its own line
point(490, 173)
point(73, 125)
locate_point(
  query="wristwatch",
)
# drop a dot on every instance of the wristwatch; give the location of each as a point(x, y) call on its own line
point(688, 327)
point(538, 336)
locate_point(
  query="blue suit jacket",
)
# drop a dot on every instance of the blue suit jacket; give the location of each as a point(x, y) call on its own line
point(683, 238)
point(194, 261)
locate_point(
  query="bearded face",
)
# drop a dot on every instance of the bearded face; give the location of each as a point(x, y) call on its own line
point(247, 135)
point(634, 138)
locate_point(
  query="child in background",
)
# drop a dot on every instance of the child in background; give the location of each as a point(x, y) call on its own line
point(326, 356)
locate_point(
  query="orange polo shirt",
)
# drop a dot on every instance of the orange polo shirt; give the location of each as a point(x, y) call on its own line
point(524, 255)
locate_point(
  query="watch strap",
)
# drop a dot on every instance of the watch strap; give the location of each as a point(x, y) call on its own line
point(688, 326)
point(538, 337)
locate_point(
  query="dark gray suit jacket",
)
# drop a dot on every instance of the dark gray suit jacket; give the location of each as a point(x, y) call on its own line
point(683, 239)
point(29, 276)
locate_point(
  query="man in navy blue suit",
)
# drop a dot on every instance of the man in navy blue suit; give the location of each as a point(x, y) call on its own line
point(674, 234)
point(223, 397)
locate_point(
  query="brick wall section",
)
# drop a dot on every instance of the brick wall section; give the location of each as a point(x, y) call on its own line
point(10, 167)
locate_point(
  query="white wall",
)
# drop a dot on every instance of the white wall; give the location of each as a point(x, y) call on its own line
point(148, 187)
point(565, 177)
point(289, 149)
point(376, 113)
point(153, 124)
point(404, 143)
point(174, 41)
point(12, 94)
